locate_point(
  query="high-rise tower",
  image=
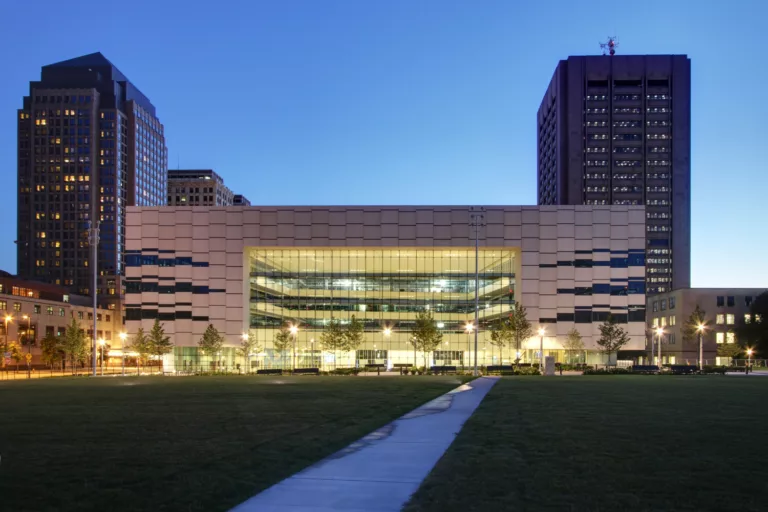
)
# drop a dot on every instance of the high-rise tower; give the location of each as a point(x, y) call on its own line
point(89, 144)
point(616, 130)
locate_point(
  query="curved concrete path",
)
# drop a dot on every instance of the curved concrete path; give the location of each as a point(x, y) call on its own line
point(381, 471)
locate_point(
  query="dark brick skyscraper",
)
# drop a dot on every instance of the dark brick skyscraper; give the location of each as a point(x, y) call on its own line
point(616, 130)
point(89, 144)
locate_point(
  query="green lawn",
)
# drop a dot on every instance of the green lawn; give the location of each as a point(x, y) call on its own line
point(194, 443)
point(623, 443)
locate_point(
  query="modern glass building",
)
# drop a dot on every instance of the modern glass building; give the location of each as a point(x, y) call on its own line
point(264, 271)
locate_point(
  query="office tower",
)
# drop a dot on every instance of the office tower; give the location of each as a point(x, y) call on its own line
point(240, 200)
point(89, 144)
point(197, 188)
point(615, 130)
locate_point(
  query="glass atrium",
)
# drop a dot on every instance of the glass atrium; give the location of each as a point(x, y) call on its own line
point(384, 289)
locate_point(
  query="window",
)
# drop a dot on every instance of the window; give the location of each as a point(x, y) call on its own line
point(730, 319)
point(747, 301)
point(36, 309)
point(672, 320)
point(663, 304)
point(90, 316)
point(108, 318)
point(98, 317)
point(3, 305)
point(49, 310)
point(655, 322)
point(730, 337)
point(663, 321)
point(62, 312)
point(720, 301)
point(747, 318)
point(655, 306)
point(671, 338)
point(671, 303)
point(720, 319)
point(79, 315)
point(720, 337)
point(731, 301)
point(17, 306)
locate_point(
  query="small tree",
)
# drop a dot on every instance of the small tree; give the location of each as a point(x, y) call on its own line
point(519, 327)
point(74, 344)
point(354, 334)
point(17, 353)
point(248, 346)
point(333, 338)
point(694, 328)
point(141, 345)
point(501, 335)
point(426, 336)
point(50, 348)
point(573, 343)
point(612, 337)
point(159, 343)
point(282, 340)
point(211, 343)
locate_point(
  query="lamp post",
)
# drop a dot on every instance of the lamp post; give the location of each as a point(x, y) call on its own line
point(101, 355)
point(468, 328)
point(541, 349)
point(749, 361)
point(28, 344)
point(659, 334)
point(294, 332)
point(248, 354)
point(700, 329)
point(387, 333)
point(477, 216)
point(8, 318)
point(93, 240)
point(123, 336)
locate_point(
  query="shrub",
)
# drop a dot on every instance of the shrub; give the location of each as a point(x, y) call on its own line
point(607, 371)
point(345, 371)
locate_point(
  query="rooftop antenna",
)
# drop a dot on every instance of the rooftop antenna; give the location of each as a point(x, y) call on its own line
point(610, 46)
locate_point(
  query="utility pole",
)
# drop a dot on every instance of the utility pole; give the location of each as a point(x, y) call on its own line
point(477, 220)
point(93, 240)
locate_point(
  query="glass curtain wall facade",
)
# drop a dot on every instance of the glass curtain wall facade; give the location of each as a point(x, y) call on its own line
point(385, 289)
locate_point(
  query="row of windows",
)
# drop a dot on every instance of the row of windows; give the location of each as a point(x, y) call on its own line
point(662, 321)
point(632, 288)
point(143, 286)
point(138, 260)
point(50, 310)
point(730, 301)
point(631, 260)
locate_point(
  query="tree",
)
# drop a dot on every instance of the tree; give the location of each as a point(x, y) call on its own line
point(282, 340)
point(612, 337)
point(354, 334)
point(520, 328)
point(501, 335)
point(694, 328)
point(754, 333)
point(333, 338)
point(159, 343)
point(140, 344)
point(17, 353)
point(729, 350)
point(51, 350)
point(248, 346)
point(573, 343)
point(74, 343)
point(211, 342)
point(426, 336)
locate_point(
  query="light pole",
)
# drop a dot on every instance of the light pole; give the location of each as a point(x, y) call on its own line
point(123, 336)
point(387, 333)
point(94, 241)
point(749, 361)
point(101, 355)
point(8, 318)
point(541, 349)
point(29, 345)
point(659, 334)
point(477, 216)
point(700, 329)
point(247, 354)
point(468, 328)
point(294, 332)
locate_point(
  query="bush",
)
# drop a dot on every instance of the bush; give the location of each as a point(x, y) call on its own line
point(345, 371)
point(714, 370)
point(608, 371)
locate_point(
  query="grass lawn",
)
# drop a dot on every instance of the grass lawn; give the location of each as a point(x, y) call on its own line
point(193, 443)
point(623, 443)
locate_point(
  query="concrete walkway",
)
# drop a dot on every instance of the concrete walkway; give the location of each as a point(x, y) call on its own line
point(381, 471)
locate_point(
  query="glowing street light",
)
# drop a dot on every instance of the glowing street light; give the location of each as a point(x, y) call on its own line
point(294, 330)
point(123, 336)
point(8, 318)
point(468, 328)
point(700, 330)
point(749, 360)
point(659, 334)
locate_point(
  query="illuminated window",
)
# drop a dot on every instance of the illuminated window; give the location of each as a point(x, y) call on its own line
point(720, 319)
point(655, 322)
point(672, 320)
point(720, 337)
point(730, 319)
point(730, 337)
point(49, 310)
point(17, 306)
point(663, 321)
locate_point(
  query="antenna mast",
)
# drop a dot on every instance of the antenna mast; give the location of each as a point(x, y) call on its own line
point(610, 46)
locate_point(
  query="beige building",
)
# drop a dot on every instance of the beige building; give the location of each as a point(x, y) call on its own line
point(725, 309)
point(197, 188)
point(30, 310)
point(258, 270)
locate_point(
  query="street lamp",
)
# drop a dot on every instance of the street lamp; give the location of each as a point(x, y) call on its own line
point(468, 328)
point(387, 333)
point(700, 330)
point(659, 334)
point(101, 355)
point(123, 336)
point(28, 344)
point(294, 332)
point(749, 360)
point(8, 318)
point(541, 349)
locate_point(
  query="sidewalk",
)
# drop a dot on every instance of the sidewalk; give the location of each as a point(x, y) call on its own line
point(380, 471)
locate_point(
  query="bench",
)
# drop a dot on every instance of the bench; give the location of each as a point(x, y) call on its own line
point(306, 371)
point(442, 369)
point(402, 365)
point(684, 369)
point(270, 371)
point(500, 368)
point(375, 367)
point(645, 368)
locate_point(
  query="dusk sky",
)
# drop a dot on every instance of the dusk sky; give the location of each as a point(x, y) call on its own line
point(405, 102)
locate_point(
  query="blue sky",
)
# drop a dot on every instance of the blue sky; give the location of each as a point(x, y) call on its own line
point(405, 102)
